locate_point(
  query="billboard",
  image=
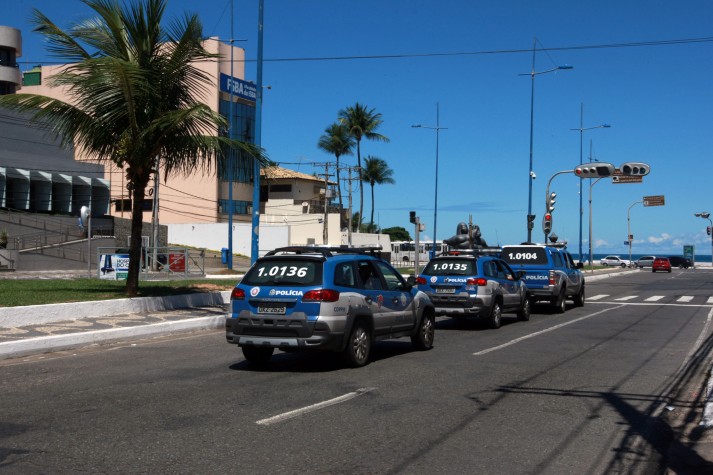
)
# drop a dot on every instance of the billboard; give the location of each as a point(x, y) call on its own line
point(113, 266)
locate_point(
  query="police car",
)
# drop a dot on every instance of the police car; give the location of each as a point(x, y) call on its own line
point(326, 298)
point(469, 283)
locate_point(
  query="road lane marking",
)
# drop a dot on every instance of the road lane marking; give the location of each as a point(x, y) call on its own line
point(685, 298)
point(597, 297)
point(547, 330)
point(710, 300)
point(628, 297)
point(654, 298)
point(314, 407)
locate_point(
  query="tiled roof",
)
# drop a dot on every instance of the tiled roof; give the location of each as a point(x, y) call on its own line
point(277, 173)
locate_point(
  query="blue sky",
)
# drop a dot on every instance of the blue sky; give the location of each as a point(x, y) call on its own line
point(658, 100)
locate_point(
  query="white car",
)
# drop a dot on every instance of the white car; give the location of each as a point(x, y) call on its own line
point(615, 261)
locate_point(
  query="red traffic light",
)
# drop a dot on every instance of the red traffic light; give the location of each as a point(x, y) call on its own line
point(548, 217)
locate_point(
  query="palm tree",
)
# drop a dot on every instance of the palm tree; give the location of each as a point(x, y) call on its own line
point(135, 98)
point(376, 172)
point(337, 141)
point(361, 123)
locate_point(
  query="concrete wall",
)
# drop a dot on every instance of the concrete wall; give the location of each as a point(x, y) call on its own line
point(214, 236)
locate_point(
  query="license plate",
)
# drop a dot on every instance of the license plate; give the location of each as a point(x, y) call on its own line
point(445, 290)
point(272, 310)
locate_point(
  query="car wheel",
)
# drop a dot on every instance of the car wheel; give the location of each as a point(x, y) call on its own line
point(653, 270)
point(525, 310)
point(559, 303)
point(359, 345)
point(257, 354)
point(423, 339)
point(623, 265)
point(579, 298)
point(496, 314)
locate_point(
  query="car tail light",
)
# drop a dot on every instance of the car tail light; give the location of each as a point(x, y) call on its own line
point(553, 281)
point(420, 281)
point(237, 294)
point(479, 281)
point(321, 295)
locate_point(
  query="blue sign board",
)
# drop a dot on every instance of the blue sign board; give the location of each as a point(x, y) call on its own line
point(243, 89)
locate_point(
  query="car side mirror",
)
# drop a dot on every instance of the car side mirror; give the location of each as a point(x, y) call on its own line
point(580, 265)
point(411, 280)
point(520, 274)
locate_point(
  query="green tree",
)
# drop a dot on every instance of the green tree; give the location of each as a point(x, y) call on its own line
point(361, 123)
point(338, 141)
point(376, 172)
point(397, 233)
point(134, 97)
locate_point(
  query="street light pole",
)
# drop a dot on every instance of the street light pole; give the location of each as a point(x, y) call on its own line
point(581, 130)
point(628, 227)
point(437, 128)
point(591, 185)
point(707, 215)
point(531, 173)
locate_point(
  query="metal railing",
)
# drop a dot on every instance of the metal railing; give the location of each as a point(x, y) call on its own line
point(170, 262)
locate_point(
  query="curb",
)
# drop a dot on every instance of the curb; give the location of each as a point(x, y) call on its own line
point(11, 317)
point(32, 346)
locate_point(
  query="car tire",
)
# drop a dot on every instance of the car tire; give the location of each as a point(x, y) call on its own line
point(653, 270)
point(560, 303)
point(496, 315)
point(623, 266)
point(423, 339)
point(579, 298)
point(257, 354)
point(358, 346)
point(524, 313)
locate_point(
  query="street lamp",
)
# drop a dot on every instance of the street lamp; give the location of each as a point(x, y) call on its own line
point(437, 128)
point(531, 174)
point(707, 215)
point(581, 130)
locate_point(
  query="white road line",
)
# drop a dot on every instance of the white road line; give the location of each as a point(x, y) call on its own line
point(685, 298)
point(532, 335)
point(710, 300)
point(654, 298)
point(597, 297)
point(313, 407)
point(628, 297)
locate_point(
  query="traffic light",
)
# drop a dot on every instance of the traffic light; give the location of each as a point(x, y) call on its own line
point(530, 221)
point(595, 170)
point(634, 168)
point(708, 230)
point(547, 223)
point(412, 216)
point(551, 202)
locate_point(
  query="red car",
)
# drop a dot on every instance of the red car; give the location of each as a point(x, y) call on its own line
point(661, 263)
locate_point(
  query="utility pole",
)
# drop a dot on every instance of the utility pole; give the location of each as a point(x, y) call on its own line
point(325, 227)
point(349, 225)
point(154, 218)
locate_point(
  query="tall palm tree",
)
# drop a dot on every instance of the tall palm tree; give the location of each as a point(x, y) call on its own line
point(362, 123)
point(376, 172)
point(338, 141)
point(135, 97)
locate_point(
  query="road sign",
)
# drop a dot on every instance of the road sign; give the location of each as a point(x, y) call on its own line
point(657, 200)
point(627, 178)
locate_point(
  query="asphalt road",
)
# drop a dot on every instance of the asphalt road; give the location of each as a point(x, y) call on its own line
point(560, 394)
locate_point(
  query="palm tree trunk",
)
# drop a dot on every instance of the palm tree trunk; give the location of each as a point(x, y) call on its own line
point(135, 248)
point(371, 226)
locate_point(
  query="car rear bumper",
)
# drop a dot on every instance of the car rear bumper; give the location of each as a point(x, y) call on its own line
point(279, 334)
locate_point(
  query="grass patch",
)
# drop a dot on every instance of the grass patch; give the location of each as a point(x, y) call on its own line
point(21, 292)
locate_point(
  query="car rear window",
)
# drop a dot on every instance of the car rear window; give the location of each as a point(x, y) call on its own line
point(524, 255)
point(285, 272)
point(450, 267)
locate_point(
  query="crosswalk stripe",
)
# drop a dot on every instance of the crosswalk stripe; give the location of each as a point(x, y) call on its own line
point(628, 297)
point(654, 298)
point(600, 296)
point(685, 298)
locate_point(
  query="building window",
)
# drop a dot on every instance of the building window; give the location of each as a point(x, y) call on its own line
point(125, 205)
point(239, 207)
point(281, 188)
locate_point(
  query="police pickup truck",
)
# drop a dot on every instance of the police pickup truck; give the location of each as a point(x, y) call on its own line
point(550, 273)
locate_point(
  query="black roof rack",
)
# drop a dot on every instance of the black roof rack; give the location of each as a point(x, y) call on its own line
point(327, 251)
point(484, 251)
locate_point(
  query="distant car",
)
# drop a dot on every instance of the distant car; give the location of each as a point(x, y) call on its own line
point(661, 264)
point(615, 261)
point(680, 262)
point(645, 261)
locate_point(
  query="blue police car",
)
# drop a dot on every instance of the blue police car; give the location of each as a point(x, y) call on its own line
point(325, 298)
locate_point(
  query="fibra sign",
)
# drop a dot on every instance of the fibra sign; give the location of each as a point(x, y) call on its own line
point(243, 89)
